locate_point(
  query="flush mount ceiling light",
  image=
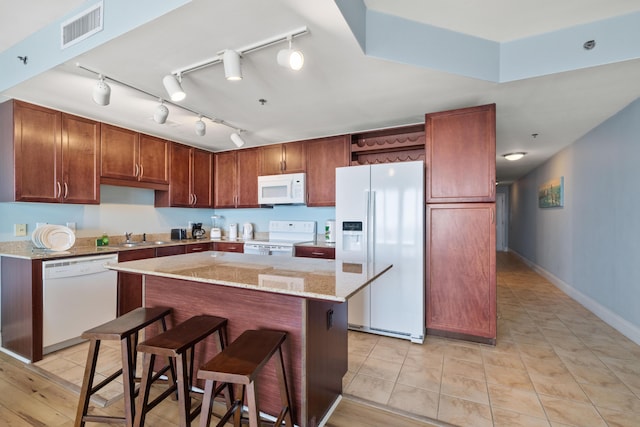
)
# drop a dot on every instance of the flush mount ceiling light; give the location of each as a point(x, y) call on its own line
point(231, 61)
point(290, 58)
point(514, 156)
point(101, 92)
point(173, 87)
point(201, 127)
point(161, 113)
point(237, 139)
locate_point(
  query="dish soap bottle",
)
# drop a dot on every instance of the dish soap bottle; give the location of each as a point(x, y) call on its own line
point(104, 240)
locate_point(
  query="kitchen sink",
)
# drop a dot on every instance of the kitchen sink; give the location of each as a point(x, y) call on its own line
point(128, 245)
point(135, 244)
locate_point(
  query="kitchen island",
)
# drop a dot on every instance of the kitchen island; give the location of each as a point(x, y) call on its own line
point(302, 296)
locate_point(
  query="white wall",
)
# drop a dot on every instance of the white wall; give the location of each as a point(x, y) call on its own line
point(591, 246)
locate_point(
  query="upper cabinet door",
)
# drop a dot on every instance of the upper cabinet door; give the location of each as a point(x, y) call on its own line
point(119, 159)
point(225, 172)
point(324, 155)
point(248, 165)
point(154, 160)
point(180, 187)
point(38, 153)
point(283, 158)
point(80, 159)
point(201, 178)
point(461, 155)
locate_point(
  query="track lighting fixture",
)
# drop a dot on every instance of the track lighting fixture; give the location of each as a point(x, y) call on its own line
point(201, 127)
point(101, 92)
point(237, 139)
point(173, 87)
point(231, 61)
point(161, 113)
point(290, 58)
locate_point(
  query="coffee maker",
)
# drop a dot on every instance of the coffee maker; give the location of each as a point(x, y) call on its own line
point(196, 230)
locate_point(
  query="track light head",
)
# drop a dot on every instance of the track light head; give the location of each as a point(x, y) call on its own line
point(161, 113)
point(201, 127)
point(232, 68)
point(237, 139)
point(173, 87)
point(101, 92)
point(290, 58)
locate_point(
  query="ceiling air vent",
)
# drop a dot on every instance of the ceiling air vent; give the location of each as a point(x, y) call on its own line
point(82, 26)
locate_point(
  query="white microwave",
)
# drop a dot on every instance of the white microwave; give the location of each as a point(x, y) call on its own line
point(281, 189)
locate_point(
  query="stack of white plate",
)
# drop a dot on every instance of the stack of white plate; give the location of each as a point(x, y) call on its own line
point(53, 237)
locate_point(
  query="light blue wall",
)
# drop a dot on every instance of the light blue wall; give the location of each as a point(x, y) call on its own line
point(131, 210)
point(592, 244)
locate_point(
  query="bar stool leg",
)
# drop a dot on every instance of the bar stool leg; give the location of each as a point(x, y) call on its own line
point(128, 354)
point(87, 383)
point(284, 391)
point(252, 403)
point(184, 398)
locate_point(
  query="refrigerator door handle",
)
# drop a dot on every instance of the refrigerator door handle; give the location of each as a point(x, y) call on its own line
point(371, 226)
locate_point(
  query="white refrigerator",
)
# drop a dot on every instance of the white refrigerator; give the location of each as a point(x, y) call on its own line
point(380, 217)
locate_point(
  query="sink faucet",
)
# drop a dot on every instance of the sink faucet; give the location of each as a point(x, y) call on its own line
point(128, 237)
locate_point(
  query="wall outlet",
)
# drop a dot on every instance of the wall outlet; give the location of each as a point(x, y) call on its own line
point(20, 230)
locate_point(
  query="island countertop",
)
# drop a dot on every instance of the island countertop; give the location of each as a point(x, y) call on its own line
point(321, 279)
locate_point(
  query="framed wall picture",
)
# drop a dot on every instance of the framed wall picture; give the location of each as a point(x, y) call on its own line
point(551, 193)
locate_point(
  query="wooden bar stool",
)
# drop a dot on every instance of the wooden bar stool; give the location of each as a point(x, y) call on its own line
point(125, 329)
point(177, 345)
point(240, 363)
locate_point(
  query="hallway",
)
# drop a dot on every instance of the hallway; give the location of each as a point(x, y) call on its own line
point(555, 364)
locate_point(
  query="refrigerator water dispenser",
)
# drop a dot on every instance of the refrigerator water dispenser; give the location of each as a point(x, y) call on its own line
point(352, 237)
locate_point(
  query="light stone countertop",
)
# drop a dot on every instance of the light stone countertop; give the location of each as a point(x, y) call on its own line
point(322, 279)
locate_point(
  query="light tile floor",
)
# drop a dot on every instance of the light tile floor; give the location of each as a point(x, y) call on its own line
point(555, 364)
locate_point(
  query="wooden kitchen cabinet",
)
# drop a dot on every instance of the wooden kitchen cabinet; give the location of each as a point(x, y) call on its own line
point(130, 284)
point(324, 252)
point(324, 155)
point(236, 178)
point(461, 155)
point(461, 271)
point(130, 158)
point(197, 247)
point(228, 246)
point(191, 179)
point(170, 250)
point(283, 158)
point(48, 156)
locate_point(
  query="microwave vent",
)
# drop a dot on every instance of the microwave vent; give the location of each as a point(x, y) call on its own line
point(82, 26)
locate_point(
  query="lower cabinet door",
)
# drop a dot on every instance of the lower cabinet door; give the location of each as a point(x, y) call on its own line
point(461, 270)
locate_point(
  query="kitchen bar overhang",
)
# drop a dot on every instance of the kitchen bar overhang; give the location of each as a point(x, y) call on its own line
point(303, 296)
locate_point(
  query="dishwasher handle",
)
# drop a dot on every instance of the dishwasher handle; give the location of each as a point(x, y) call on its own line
point(80, 266)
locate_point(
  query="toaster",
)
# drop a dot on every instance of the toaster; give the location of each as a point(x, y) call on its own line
point(178, 233)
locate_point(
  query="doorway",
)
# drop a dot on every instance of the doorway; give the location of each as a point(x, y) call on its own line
point(501, 223)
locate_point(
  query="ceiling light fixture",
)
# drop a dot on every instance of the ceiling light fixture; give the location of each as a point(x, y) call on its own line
point(231, 61)
point(164, 101)
point(290, 58)
point(161, 113)
point(101, 92)
point(237, 139)
point(172, 85)
point(514, 156)
point(201, 127)
point(220, 57)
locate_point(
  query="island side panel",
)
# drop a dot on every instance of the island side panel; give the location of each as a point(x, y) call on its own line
point(326, 355)
point(22, 307)
point(245, 309)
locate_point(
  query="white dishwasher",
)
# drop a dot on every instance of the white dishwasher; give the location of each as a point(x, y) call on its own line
point(78, 294)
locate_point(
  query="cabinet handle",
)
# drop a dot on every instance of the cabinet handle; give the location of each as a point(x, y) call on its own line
point(317, 253)
point(196, 249)
point(493, 188)
point(135, 170)
point(492, 216)
point(141, 171)
point(66, 190)
point(195, 199)
point(59, 192)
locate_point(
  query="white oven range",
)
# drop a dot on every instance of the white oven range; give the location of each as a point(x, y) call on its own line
point(283, 235)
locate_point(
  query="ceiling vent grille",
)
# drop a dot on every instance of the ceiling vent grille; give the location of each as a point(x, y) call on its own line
point(82, 26)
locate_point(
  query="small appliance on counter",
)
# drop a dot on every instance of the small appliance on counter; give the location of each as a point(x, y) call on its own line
point(330, 231)
point(216, 231)
point(233, 231)
point(197, 232)
point(247, 231)
point(178, 233)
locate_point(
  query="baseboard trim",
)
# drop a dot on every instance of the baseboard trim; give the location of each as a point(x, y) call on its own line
point(611, 318)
